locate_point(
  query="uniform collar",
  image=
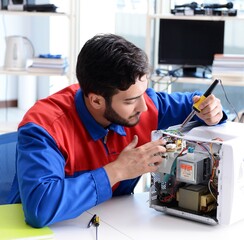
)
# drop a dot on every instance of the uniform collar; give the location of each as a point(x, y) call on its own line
point(95, 130)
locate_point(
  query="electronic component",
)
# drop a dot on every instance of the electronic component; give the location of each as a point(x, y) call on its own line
point(203, 180)
point(190, 196)
point(187, 178)
point(173, 146)
point(193, 168)
point(207, 203)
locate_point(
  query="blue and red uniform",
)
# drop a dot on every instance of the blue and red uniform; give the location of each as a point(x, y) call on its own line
point(61, 152)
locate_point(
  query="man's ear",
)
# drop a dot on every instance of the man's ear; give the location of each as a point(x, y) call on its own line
point(96, 101)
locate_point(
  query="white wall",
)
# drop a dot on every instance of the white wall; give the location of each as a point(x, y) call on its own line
point(96, 16)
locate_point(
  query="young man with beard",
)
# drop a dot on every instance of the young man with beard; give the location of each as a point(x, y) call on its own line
point(91, 141)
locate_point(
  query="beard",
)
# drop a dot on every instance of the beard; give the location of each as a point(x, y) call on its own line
point(115, 118)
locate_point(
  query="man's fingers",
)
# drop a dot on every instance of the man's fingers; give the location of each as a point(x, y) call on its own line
point(132, 144)
point(152, 144)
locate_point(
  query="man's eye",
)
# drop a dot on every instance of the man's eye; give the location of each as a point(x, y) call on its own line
point(130, 102)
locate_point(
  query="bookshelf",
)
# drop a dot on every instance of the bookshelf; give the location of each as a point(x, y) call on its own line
point(73, 36)
point(49, 32)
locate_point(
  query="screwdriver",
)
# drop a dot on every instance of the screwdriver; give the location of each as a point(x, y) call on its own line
point(95, 222)
point(196, 105)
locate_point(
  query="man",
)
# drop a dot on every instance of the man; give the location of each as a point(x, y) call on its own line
point(89, 142)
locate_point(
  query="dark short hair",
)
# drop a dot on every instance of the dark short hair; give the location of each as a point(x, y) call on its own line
point(108, 63)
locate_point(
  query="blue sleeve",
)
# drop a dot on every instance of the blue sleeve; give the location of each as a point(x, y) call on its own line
point(173, 108)
point(47, 195)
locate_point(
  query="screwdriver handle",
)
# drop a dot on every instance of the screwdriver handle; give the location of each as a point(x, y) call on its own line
point(205, 95)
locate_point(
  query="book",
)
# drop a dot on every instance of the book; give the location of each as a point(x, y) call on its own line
point(40, 60)
point(230, 69)
point(13, 225)
point(45, 70)
point(228, 63)
point(229, 57)
point(41, 65)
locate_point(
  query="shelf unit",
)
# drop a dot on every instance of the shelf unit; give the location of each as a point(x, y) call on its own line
point(3, 71)
point(73, 35)
point(152, 26)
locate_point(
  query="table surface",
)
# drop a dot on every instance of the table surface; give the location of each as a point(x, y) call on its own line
point(130, 217)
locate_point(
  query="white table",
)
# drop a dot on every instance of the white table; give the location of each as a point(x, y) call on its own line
point(129, 217)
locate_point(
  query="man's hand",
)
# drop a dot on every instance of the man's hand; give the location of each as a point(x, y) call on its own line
point(134, 161)
point(211, 110)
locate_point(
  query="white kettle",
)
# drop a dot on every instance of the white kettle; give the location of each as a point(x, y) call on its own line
point(18, 50)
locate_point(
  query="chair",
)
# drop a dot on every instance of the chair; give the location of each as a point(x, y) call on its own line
point(7, 163)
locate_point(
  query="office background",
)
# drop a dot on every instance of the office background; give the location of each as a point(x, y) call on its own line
point(125, 17)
